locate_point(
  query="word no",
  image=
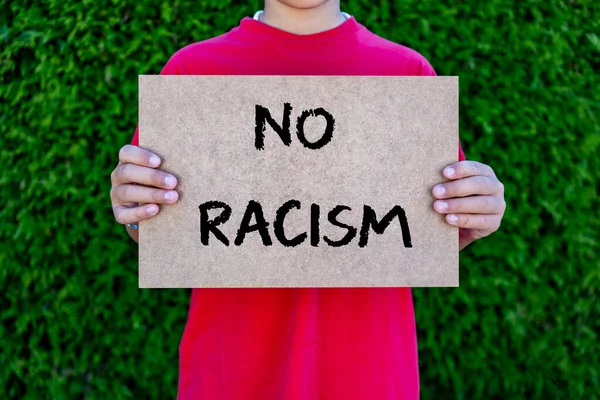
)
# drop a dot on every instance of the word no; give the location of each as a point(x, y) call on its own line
point(263, 116)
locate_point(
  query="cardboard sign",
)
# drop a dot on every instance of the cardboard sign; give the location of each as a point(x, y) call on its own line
point(299, 181)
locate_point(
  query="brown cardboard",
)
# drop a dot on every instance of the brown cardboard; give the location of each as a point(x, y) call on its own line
point(392, 138)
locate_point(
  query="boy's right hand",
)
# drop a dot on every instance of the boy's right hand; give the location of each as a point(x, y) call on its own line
point(136, 180)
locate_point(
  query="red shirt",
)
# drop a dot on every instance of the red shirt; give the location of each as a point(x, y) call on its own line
point(305, 343)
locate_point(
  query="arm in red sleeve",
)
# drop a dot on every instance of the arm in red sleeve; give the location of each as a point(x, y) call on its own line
point(461, 154)
point(427, 70)
point(172, 67)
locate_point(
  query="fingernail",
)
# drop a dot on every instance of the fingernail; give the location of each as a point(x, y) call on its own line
point(169, 180)
point(151, 210)
point(170, 195)
point(154, 161)
point(449, 172)
point(442, 205)
point(439, 190)
point(452, 218)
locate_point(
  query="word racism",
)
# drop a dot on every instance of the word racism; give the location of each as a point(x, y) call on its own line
point(255, 210)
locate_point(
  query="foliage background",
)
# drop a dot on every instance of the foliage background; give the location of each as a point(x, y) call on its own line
point(526, 319)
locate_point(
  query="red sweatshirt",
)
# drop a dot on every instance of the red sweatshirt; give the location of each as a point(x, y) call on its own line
point(306, 343)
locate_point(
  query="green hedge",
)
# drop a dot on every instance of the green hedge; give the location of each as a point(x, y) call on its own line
point(525, 321)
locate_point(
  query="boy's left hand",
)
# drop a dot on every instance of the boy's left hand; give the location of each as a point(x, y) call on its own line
point(472, 200)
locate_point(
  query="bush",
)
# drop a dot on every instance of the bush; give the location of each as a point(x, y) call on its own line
point(525, 321)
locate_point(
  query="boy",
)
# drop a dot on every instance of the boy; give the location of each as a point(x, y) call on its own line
point(302, 343)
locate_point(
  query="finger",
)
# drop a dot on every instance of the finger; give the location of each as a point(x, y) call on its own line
point(138, 155)
point(471, 205)
point(132, 173)
point(130, 215)
point(473, 185)
point(475, 221)
point(463, 169)
point(142, 194)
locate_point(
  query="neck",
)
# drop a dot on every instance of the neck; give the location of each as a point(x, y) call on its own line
point(302, 21)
